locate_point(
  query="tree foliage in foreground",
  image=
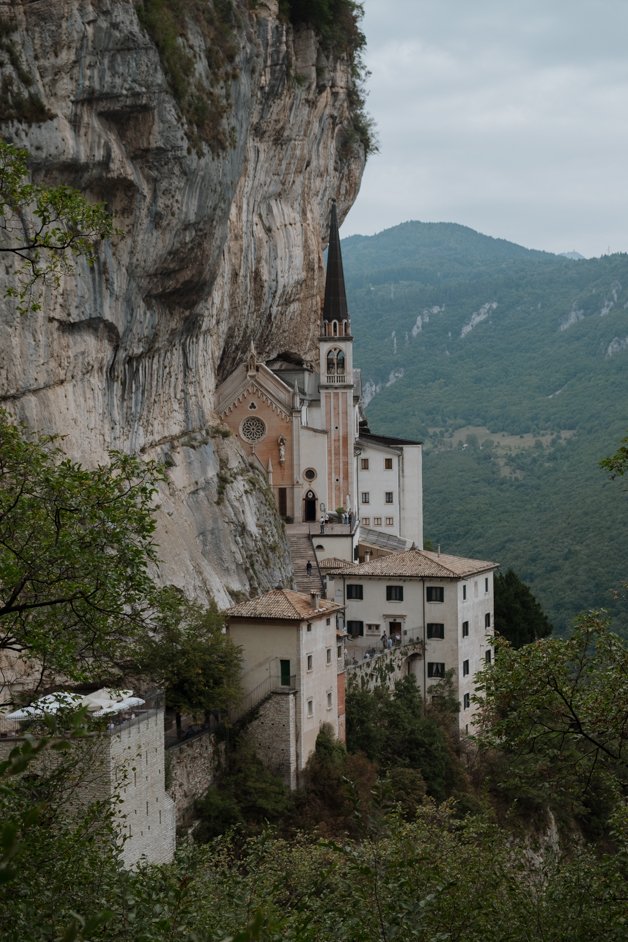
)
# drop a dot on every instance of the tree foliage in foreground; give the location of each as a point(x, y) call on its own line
point(432, 878)
point(75, 547)
point(555, 712)
point(45, 227)
point(617, 464)
point(189, 655)
point(76, 594)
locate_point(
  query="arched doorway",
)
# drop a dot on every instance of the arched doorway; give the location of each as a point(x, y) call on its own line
point(309, 507)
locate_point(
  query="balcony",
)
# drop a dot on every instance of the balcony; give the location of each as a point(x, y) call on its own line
point(337, 379)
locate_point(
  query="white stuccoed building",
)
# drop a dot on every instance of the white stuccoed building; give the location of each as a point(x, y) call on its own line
point(292, 674)
point(444, 602)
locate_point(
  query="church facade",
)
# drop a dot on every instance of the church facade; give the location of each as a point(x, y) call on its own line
point(305, 426)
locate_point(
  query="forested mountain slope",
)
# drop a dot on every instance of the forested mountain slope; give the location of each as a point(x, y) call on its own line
point(512, 366)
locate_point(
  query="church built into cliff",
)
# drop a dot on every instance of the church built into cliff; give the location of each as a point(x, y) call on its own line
point(306, 428)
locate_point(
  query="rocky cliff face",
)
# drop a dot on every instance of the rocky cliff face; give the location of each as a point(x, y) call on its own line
point(221, 200)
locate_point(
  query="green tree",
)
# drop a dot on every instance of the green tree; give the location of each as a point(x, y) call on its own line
point(617, 464)
point(393, 730)
point(46, 227)
point(76, 597)
point(191, 657)
point(518, 616)
point(557, 711)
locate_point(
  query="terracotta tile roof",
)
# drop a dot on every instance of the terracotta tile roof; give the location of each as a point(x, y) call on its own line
point(333, 562)
point(420, 563)
point(283, 604)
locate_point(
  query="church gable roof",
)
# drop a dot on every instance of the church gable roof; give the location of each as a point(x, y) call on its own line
point(261, 383)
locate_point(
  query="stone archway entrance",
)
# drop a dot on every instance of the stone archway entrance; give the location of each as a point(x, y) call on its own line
point(309, 507)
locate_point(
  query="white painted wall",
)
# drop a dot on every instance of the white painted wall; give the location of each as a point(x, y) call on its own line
point(404, 479)
point(265, 644)
point(411, 494)
point(414, 613)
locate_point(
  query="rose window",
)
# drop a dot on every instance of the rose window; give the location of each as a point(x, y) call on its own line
point(252, 429)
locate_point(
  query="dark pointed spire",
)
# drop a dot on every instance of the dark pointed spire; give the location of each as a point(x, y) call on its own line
point(335, 304)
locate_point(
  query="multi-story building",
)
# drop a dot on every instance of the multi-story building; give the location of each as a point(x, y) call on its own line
point(292, 674)
point(445, 602)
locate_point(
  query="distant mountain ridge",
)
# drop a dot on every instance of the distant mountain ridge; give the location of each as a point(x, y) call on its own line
point(512, 365)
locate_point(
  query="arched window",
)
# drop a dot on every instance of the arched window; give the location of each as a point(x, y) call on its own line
point(334, 328)
point(335, 362)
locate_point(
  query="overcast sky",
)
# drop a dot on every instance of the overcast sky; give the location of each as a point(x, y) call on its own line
point(509, 116)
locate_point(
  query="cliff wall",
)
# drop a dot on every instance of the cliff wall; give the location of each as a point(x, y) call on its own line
point(218, 151)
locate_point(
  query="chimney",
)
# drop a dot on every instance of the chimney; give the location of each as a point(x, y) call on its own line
point(438, 550)
point(367, 556)
point(316, 600)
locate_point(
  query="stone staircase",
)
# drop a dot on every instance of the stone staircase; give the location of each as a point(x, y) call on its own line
point(301, 550)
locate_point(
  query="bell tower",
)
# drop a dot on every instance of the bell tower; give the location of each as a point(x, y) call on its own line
point(337, 390)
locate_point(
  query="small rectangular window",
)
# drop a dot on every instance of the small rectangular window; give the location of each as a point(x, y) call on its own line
point(373, 628)
point(388, 463)
point(364, 464)
point(486, 584)
point(435, 669)
point(435, 593)
point(464, 593)
point(355, 629)
point(355, 591)
point(394, 593)
point(487, 620)
point(329, 655)
point(365, 497)
point(465, 668)
point(310, 708)
point(465, 629)
point(466, 701)
point(389, 497)
point(339, 652)
point(488, 656)
point(390, 521)
point(366, 521)
point(435, 630)
point(329, 700)
point(310, 662)
point(377, 521)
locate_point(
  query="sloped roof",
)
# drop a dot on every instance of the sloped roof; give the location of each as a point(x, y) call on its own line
point(283, 604)
point(421, 563)
point(334, 562)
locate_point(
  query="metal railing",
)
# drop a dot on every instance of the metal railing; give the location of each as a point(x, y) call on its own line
point(333, 529)
point(357, 653)
point(271, 684)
